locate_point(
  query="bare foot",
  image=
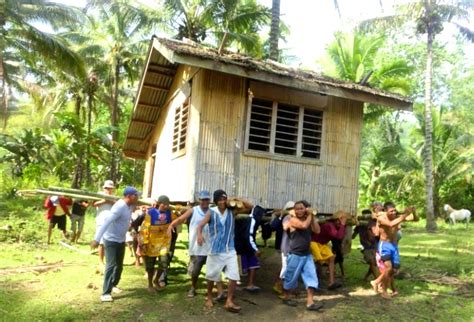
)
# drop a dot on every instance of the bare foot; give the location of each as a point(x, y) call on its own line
point(209, 305)
point(231, 307)
point(151, 289)
point(385, 295)
point(394, 292)
point(375, 286)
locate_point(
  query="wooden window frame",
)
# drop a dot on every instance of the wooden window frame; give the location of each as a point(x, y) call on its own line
point(181, 128)
point(299, 148)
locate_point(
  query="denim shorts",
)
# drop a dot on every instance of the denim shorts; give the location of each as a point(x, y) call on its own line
point(297, 266)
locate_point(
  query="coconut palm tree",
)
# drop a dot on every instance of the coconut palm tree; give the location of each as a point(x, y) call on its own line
point(20, 37)
point(275, 30)
point(237, 22)
point(224, 22)
point(190, 19)
point(357, 58)
point(429, 17)
point(121, 37)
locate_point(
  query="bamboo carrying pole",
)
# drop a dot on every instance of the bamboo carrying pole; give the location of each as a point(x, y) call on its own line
point(365, 218)
point(81, 194)
point(321, 217)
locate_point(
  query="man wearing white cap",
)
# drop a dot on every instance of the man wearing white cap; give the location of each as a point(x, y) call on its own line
point(56, 214)
point(102, 207)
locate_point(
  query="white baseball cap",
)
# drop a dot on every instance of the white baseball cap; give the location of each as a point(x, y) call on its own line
point(109, 184)
point(54, 200)
point(289, 205)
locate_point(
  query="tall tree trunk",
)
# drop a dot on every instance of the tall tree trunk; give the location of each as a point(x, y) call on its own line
point(114, 121)
point(3, 81)
point(428, 148)
point(79, 170)
point(4, 98)
point(77, 106)
point(275, 30)
point(88, 146)
point(336, 5)
point(223, 44)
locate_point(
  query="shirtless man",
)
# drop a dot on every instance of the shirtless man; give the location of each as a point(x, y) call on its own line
point(387, 248)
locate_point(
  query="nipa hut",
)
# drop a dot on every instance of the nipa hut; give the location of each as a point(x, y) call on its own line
point(257, 129)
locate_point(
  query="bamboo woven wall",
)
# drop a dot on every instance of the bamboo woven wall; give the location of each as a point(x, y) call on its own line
point(329, 184)
point(172, 175)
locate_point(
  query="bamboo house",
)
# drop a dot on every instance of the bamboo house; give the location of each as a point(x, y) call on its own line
point(257, 129)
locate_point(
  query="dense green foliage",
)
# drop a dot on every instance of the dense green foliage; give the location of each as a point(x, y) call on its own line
point(392, 159)
point(72, 90)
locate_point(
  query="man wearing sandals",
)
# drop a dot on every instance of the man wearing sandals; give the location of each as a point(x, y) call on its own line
point(222, 255)
point(300, 261)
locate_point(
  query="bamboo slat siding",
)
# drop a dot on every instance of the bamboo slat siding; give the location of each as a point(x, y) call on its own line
point(329, 184)
point(172, 175)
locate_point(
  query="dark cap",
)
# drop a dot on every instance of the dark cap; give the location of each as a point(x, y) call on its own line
point(219, 194)
point(130, 191)
point(163, 199)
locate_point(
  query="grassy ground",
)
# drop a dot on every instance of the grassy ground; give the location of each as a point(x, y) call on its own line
point(437, 284)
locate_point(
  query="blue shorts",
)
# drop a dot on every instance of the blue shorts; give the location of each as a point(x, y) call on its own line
point(249, 262)
point(389, 252)
point(297, 266)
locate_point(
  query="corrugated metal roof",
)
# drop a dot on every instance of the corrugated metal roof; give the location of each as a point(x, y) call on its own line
point(165, 55)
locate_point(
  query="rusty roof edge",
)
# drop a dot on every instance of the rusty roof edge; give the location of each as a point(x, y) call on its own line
point(338, 88)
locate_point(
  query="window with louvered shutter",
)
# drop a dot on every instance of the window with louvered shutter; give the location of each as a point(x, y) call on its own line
point(260, 125)
point(283, 129)
point(180, 128)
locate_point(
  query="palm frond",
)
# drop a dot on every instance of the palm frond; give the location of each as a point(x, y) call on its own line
point(466, 32)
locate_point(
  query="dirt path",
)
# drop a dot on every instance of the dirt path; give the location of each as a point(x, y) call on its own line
point(41, 268)
point(267, 306)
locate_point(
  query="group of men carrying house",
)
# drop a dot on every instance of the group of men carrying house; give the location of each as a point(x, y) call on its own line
point(215, 240)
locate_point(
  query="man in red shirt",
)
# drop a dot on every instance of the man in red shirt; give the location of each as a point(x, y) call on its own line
point(320, 249)
point(58, 209)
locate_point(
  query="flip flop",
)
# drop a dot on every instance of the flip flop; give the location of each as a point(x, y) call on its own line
point(221, 297)
point(314, 307)
point(334, 286)
point(289, 302)
point(232, 309)
point(252, 289)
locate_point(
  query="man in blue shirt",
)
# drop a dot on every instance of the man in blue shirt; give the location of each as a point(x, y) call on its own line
point(113, 230)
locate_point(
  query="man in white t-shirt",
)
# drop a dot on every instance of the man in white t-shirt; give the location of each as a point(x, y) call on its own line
point(102, 207)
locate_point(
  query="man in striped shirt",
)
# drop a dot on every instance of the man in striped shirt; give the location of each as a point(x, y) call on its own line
point(222, 255)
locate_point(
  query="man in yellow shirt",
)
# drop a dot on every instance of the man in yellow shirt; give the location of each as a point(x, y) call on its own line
point(155, 242)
